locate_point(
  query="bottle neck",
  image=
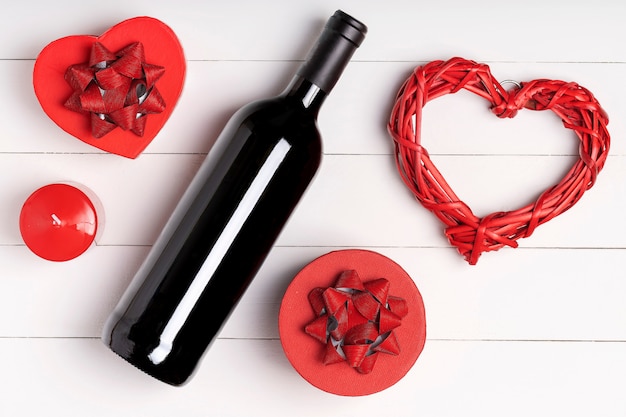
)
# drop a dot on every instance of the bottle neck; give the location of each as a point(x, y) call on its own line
point(327, 59)
point(309, 95)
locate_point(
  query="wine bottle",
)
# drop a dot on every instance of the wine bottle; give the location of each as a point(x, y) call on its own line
point(229, 218)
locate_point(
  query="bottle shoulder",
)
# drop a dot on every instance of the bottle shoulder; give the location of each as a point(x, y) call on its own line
point(281, 115)
point(280, 105)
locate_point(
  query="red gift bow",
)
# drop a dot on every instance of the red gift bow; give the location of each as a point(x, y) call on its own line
point(356, 320)
point(117, 89)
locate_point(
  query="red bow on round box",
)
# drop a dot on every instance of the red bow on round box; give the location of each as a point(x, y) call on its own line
point(114, 91)
point(356, 320)
point(352, 322)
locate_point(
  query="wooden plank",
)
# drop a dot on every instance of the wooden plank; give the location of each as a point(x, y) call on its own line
point(73, 376)
point(360, 201)
point(355, 200)
point(489, 30)
point(558, 294)
point(147, 188)
point(353, 120)
point(67, 299)
point(527, 294)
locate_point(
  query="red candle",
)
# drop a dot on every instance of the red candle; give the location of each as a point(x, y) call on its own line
point(58, 222)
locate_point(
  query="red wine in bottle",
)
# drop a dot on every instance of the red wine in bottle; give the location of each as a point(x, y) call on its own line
point(229, 219)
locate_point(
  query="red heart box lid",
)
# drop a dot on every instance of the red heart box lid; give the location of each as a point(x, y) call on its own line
point(307, 353)
point(162, 48)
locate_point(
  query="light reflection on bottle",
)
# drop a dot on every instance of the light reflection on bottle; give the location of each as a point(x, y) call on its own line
point(223, 243)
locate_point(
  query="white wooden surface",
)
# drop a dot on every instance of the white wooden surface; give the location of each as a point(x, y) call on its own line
point(540, 330)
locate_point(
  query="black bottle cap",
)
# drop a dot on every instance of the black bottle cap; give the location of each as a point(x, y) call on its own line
point(333, 50)
point(348, 27)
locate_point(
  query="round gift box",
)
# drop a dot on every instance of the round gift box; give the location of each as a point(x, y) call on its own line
point(59, 222)
point(306, 353)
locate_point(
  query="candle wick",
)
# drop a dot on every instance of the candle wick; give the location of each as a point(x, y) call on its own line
point(55, 220)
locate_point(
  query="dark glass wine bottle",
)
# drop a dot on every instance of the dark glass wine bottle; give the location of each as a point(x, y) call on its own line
point(229, 219)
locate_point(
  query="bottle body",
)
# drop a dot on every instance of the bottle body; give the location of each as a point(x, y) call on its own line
point(219, 236)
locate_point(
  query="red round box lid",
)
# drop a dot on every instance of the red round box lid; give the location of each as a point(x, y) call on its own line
point(58, 222)
point(305, 352)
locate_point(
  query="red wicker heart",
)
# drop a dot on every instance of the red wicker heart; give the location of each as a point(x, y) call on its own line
point(162, 59)
point(575, 105)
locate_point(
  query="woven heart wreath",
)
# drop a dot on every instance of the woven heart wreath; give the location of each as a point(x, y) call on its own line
point(575, 105)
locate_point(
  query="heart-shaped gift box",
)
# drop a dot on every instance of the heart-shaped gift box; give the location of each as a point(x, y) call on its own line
point(152, 44)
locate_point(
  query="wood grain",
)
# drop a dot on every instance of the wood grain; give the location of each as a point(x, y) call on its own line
point(539, 330)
